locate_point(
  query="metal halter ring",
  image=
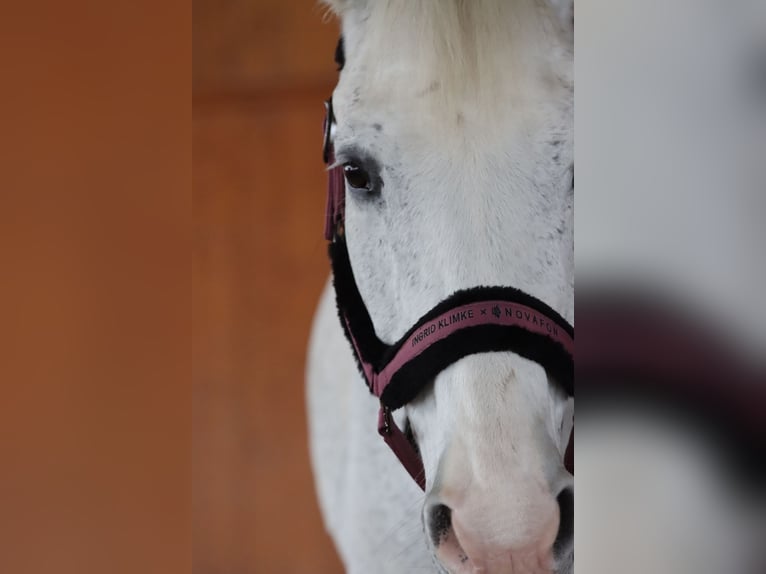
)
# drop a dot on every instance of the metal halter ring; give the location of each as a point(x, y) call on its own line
point(328, 123)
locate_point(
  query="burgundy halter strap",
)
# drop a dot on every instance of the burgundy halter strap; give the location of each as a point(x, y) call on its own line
point(477, 320)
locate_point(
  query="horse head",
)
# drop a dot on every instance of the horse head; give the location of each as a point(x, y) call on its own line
point(454, 128)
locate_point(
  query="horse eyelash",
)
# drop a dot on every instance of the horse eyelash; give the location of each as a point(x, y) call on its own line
point(351, 156)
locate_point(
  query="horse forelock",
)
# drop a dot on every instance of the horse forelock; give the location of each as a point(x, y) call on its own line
point(450, 51)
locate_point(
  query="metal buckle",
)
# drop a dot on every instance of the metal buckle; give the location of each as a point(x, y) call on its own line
point(386, 419)
point(329, 120)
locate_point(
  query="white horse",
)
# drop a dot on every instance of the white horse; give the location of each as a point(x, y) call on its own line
point(458, 117)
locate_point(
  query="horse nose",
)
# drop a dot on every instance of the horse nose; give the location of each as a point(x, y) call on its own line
point(475, 535)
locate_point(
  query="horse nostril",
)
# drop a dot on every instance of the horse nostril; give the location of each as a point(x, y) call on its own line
point(565, 534)
point(439, 523)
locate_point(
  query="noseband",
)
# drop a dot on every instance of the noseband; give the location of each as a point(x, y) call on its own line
point(477, 320)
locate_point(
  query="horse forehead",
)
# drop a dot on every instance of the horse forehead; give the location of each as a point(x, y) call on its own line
point(425, 109)
point(424, 125)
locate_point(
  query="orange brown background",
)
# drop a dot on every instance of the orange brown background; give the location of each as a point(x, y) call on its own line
point(95, 297)
point(261, 70)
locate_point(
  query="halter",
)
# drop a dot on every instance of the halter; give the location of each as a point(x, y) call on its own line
point(477, 320)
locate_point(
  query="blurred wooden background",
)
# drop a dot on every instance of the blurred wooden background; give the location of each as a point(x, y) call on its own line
point(261, 71)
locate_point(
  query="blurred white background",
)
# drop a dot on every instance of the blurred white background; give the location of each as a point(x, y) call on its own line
point(670, 150)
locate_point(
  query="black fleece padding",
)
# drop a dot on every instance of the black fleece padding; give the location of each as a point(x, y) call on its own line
point(415, 374)
point(351, 307)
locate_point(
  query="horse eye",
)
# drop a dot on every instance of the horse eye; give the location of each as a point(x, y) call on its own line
point(357, 177)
